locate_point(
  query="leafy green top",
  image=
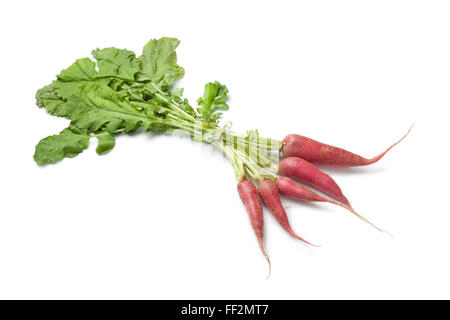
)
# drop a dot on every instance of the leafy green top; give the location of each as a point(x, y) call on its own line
point(121, 93)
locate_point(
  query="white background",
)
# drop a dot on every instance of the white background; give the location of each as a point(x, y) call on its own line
point(159, 216)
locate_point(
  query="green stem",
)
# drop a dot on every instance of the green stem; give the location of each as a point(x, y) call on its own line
point(177, 118)
point(238, 164)
point(174, 105)
point(261, 143)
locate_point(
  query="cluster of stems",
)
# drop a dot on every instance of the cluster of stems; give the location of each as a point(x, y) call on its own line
point(250, 154)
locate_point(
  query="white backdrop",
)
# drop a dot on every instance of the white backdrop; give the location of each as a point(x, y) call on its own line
point(160, 217)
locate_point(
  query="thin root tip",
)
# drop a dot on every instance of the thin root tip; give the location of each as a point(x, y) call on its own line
point(389, 234)
point(270, 266)
point(292, 233)
point(367, 221)
point(307, 242)
point(267, 257)
point(381, 155)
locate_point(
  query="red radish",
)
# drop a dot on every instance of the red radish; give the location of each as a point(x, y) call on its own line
point(292, 189)
point(317, 152)
point(269, 193)
point(250, 198)
point(303, 170)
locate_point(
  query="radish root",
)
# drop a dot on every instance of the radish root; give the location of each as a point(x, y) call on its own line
point(267, 257)
point(349, 208)
point(381, 155)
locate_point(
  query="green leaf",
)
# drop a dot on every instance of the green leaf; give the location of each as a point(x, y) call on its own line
point(111, 62)
point(114, 67)
point(94, 106)
point(48, 98)
point(214, 99)
point(106, 141)
point(159, 62)
point(81, 69)
point(68, 144)
point(99, 107)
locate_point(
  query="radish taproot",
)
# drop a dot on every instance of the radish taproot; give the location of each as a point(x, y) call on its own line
point(303, 170)
point(249, 196)
point(293, 189)
point(317, 152)
point(269, 194)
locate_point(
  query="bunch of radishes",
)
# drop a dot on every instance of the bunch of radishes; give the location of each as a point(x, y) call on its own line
point(120, 93)
point(300, 153)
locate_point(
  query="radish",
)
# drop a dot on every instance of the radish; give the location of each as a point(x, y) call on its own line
point(317, 152)
point(303, 170)
point(269, 193)
point(292, 189)
point(252, 202)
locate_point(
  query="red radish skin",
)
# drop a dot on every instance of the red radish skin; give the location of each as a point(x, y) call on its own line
point(252, 202)
point(303, 170)
point(269, 194)
point(316, 152)
point(292, 189)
